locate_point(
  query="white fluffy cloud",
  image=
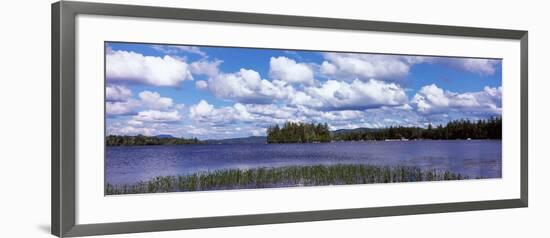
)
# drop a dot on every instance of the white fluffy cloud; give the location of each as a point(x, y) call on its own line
point(483, 67)
point(174, 49)
point(121, 108)
point(365, 66)
point(206, 113)
point(153, 100)
point(431, 99)
point(239, 115)
point(272, 111)
point(135, 67)
point(241, 120)
point(119, 102)
point(353, 90)
point(126, 129)
point(248, 87)
point(285, 69)
point(204, 67)
point(395, 67)
point(134, 127)
point(201, 84)
point(478, 66)
point(116, 93)
point(357, 95)
point(327, 68)
point(158, 116)
point(260, 116)
point(264, 115)
point(201, 110)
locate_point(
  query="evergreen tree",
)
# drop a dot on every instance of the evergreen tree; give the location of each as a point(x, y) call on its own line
point(116, 140)
point(299, 132)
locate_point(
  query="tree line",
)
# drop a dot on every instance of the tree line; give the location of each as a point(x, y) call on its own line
point(297, 132)
point(116, 140)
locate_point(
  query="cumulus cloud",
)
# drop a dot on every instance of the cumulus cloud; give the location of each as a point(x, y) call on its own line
point(134, 67)
point(482, 67)
point(206, 113)
point(116, 93)
point(252, 116)
point(272, 111)
point(365, 66)
point(121, 108)
point(285, 69)
point(153, 100)
point(479, 66)
point(327, 68)
point(174, 49)
point(126, 129)
point(134, 127)
point(263, 115)
point(201, 84)
point(158, 116)
point(247, 86)
point(395, 67)
point(204, 67)
point(344, 90)
point(431, 99)
point(201, 110)
point(232, 119)
point(120, 103)
point(357, 95)
point(135, 123)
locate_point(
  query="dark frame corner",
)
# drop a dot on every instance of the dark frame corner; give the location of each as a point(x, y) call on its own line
point(63, 117)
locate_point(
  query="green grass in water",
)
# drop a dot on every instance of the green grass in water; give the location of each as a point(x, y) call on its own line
point(290, 176)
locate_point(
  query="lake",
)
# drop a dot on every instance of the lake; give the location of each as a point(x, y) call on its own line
point(131, 164)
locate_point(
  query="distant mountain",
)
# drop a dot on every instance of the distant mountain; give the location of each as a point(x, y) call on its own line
point(164, 136)
point(360, 130)
point(244, 140)
point(263, 139)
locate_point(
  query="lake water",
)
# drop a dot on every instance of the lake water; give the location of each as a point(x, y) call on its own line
point(475, 158)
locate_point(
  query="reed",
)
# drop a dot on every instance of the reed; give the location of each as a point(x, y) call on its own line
point(289, 176)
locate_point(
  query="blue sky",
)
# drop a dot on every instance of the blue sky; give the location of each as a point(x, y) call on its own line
point(222, 92)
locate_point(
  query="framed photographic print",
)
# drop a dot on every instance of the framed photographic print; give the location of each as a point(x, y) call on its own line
point(210, 119)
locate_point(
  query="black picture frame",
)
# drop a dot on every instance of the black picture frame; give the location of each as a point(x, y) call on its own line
point(64, 107)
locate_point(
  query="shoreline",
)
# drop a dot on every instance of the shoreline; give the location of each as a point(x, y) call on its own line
point(329, 142)
point(386, 140)
point(288, 176)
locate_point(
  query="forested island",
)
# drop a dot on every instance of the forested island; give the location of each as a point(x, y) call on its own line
point(115, 140)
point(298, 132)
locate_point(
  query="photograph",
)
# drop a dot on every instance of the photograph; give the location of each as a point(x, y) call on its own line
point(188, 118)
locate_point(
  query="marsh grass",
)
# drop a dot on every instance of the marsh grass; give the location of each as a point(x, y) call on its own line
point(289, 176)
